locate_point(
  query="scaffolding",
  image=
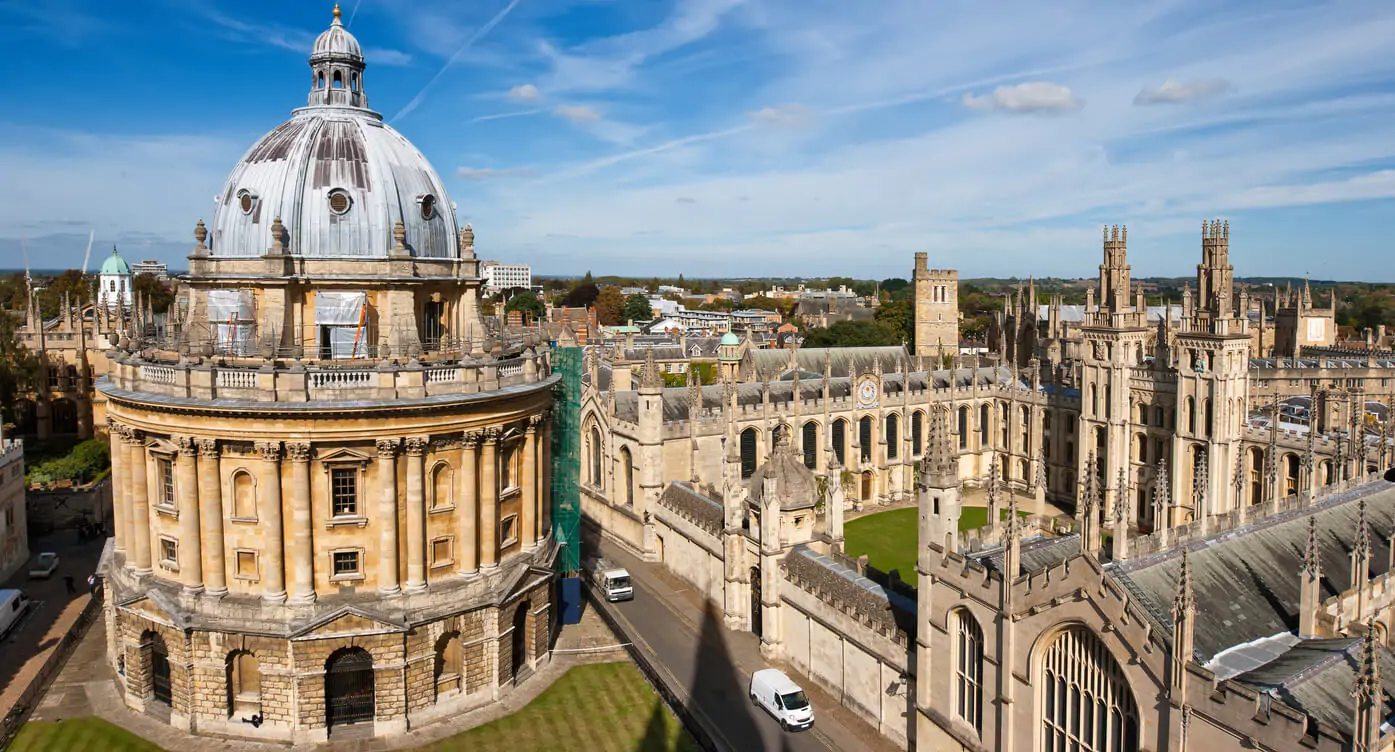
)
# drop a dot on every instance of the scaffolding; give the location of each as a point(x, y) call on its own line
point(566, 458)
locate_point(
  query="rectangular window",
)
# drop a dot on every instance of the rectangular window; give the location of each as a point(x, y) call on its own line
point(441, 552)
point(169, 551)
point(508, 531)
point(247, 565)
point(344, 491)
point(345, 563)
point(166, 481)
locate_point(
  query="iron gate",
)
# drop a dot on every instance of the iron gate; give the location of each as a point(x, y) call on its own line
point(349, 687)
point(160, 676)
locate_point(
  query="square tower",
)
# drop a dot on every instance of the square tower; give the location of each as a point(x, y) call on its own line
point(936, 309)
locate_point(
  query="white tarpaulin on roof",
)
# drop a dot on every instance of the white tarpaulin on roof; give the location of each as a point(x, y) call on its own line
point(230, 305)
point(339, 308)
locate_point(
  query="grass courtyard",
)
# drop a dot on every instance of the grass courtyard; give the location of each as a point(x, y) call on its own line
point(602, 706)
point(889, 538)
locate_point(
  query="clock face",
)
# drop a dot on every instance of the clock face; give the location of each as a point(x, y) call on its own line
point(867, 392)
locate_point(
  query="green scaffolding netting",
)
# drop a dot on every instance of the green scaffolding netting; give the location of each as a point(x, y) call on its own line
point(566, 457)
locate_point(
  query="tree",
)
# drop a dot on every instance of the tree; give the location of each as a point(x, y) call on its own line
point(157, 294)
point(608, 305)
point(636, 309)
point(528, 303)
point(854, 334)
point(582, 296)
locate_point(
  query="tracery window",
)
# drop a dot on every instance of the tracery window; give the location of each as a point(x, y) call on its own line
point(1086, 704)
point(968, 671)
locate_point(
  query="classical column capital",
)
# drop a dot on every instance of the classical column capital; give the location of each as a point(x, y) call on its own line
point(298, 451)
point(207, 447)
point(388, 447)
point(416, 445)
point(269, 450)
point(187, 447)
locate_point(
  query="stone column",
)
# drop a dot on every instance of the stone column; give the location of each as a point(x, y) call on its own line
point(528, 514)
point(416, 515)
point(120, 484)
point(467, 510)
point(187, 487)
point(387, 516)
point(215, 575)
point(489, 500)
point(273, 528)
point(302, 528)
point(139, 519)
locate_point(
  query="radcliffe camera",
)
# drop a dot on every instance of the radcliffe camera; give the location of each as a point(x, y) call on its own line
point(726, 375)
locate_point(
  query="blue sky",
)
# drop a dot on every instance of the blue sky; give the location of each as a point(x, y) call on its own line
point(764, 137)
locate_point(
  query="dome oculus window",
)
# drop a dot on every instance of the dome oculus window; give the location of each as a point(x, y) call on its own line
point(339, 202)
point(246, 201)
point(428, 206)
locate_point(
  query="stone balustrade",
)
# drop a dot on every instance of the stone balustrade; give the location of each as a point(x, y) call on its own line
point(255, 380)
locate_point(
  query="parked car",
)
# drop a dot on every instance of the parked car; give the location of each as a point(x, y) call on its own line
point(773, 690)
point(44, 566)
point(13, 605)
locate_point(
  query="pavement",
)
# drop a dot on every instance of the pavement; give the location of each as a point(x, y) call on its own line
point(51, 614)
point(709, 668)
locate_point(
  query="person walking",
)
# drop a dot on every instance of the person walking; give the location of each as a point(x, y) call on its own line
point(68, 583)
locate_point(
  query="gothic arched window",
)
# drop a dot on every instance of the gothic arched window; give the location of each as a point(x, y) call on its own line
point(968, 670)
point(1086, 703)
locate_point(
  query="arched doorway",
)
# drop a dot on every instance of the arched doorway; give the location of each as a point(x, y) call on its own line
point(160, 684)
point(755, 601)
point(348, 687)
point(520, 639)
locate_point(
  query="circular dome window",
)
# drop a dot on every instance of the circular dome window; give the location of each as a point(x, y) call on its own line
point(339, 201)
point(246, 201)
point(428, 206)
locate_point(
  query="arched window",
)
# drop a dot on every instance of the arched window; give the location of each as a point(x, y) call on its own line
point(811, 445)
point(917, 433)
point(244, 684)
point(984, 416)
point(968, 670)
point(840, 441)
point(244, 501)
point(627, 466)
point(963, 428)
point(441, 486)
point(864, 437)
point(893, 437)
point(748, 452)
point(596, 458)
point(1085, 700)
point(450, 668)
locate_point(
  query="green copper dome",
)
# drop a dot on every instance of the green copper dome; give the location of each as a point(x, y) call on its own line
point(115, 264)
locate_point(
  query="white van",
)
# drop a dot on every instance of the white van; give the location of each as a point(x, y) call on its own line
point(612, 580)
point(13, 605)
point(782, 698)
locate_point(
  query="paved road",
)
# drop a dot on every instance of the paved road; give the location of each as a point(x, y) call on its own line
point(711, 668)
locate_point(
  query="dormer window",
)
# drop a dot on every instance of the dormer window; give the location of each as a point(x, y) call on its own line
point(428, 206)
point(339, 201)
point(246, 200)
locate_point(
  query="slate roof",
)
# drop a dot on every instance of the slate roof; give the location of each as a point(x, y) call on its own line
point(1246, 582)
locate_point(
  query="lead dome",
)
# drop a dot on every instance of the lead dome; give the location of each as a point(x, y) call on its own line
point(338, 177)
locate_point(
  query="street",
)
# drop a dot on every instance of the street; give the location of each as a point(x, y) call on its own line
point(710, 667)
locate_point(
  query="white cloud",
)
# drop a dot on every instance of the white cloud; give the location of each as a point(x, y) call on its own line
point(1032, 96)
point(1176, 91)
point(524, 93)
point(577, 113)
point(787, 114)
point(481, 173)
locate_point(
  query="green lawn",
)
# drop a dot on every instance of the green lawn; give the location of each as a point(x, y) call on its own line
point(602, 706)
point(889, 538)
point(78, 735)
